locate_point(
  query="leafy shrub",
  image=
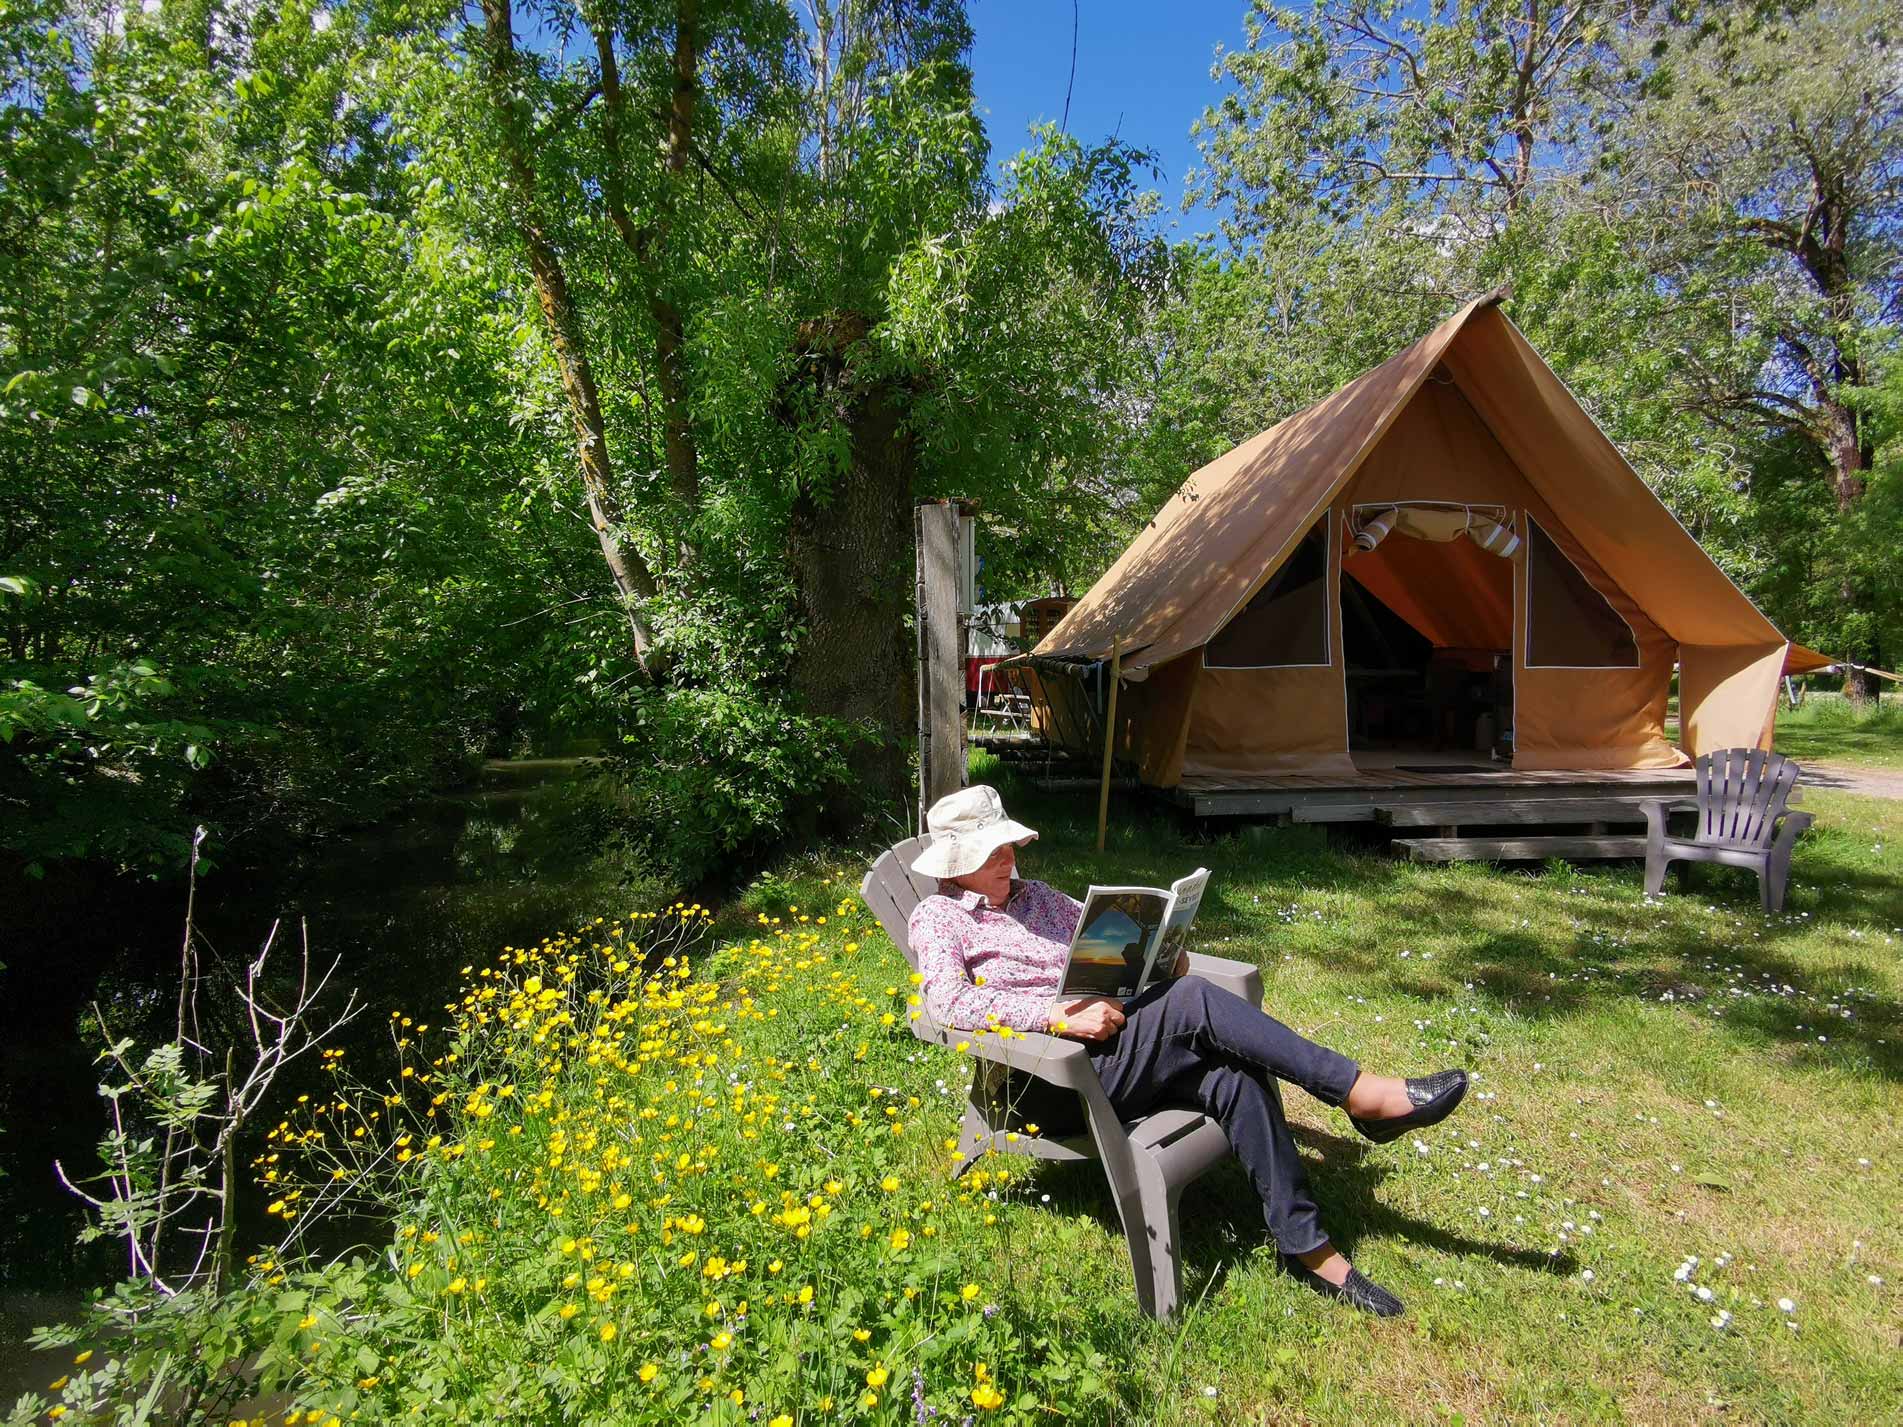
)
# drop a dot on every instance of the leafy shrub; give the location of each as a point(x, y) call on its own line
point(95, 771)
point(713, 775)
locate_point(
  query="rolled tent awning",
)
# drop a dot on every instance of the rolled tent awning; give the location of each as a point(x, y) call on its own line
point(1454, 594)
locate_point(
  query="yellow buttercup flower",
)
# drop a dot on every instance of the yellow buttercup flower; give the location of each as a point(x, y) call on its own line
point(969, 1292)
point(607, 1332)
point(877, 1377)
point(647, 1372)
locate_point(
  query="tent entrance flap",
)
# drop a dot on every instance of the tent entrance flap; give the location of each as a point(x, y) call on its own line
point(1427, 634)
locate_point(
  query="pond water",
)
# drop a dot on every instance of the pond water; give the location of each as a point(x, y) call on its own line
point(403, 906)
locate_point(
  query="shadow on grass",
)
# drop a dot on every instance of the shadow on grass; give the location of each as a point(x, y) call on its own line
point(1221, 1223)
point(1549, 943)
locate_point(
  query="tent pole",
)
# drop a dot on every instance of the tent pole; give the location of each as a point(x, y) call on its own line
point(1109, 738)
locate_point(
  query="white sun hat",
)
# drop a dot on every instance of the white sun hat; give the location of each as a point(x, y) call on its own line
point(967, 827)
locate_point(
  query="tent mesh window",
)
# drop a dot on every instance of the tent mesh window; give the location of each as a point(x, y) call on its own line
point(1569, 624)
point(1286, 623)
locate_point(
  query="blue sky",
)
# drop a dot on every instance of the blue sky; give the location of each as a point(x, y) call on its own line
point(1142, 74)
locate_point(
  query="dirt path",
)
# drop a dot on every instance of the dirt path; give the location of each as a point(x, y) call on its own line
point(1848, 778)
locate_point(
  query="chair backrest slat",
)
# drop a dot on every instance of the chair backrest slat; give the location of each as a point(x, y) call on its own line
point(892, 890)
point(1750, 790)
point(1742, 792)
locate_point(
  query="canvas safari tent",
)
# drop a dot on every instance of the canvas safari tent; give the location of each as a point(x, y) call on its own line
point(1446, 544)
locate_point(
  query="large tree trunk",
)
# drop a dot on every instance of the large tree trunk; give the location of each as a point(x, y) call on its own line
point(1820, 248)
point(1849, 468)
point(851, 554)
point(633, 582)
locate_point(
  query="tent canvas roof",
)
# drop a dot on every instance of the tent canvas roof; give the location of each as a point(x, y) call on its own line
point(1233, 522)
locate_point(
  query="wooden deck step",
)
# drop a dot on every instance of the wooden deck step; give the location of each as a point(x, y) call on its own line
point(1521, 811)
point(1332, 813)
point(1515, 849)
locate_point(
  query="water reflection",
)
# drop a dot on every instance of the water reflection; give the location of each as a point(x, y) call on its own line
point(405, 905)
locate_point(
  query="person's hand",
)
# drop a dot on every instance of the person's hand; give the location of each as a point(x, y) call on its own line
point(1088, 1018)
point(1182, 963)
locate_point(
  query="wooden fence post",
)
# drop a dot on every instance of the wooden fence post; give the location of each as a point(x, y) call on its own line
point(941, 682)
point(1109, 740)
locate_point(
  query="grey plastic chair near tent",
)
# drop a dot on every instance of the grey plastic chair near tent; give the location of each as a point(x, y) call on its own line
point(1148, 1161)
point(1743, 821)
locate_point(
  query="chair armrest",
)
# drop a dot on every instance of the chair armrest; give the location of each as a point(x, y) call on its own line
point(1053, 1058)
point(1242, 977)
point(1064, 1063)
point(1655, 810)
point(1792, 828)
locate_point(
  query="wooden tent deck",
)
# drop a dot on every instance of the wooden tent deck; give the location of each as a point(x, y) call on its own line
point(1394, 780)
point(1439, 810)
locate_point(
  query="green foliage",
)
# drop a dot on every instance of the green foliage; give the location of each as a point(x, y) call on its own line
point(1028, 321)
point(266, 447)
point(1755, 156)
point(95, 771)
point(1347, 109)
point(181, 1346)
point(188, 1358)
point(710, 777)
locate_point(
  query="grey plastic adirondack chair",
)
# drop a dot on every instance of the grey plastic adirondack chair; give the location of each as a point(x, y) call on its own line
point(1149, 1161)
point(1743, 821)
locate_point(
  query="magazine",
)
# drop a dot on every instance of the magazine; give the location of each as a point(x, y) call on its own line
point(1129, 937)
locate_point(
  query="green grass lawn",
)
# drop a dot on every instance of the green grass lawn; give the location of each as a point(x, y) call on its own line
point(1653, 1084)
point(1829, 728)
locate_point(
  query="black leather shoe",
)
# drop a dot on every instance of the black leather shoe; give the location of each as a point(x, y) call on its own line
point(1434, 1097)
point(1359, 1291)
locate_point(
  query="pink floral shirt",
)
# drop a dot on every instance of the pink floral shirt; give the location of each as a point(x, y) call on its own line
point(1018, 949)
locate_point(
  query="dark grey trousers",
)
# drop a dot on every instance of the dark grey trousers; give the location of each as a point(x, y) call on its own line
point(1187, 1042)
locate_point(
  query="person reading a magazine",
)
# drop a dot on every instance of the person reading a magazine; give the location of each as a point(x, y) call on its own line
point(993, 949)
